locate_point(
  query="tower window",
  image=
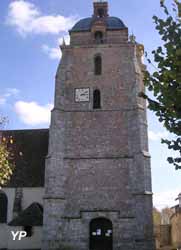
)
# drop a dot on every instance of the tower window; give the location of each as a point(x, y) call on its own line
point(97, 99)
point(3, 207)
point(100, 12)
point(98, 65)
point(98, 37)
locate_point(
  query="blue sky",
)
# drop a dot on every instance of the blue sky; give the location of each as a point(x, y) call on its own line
point(30, 34)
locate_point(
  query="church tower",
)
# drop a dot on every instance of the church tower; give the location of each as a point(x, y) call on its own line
point(98, 180)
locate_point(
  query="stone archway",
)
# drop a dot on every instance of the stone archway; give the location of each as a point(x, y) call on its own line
point(101, 234)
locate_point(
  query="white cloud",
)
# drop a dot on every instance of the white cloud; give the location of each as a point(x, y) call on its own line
point(53, 53)
point(31, 113)
point(65, 38)
point(9, 92)
point(166, 198)
point(2, 100)
point(156, 136)
point(27, 18)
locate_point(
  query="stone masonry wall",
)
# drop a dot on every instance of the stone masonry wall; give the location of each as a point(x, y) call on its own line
point(98, 163)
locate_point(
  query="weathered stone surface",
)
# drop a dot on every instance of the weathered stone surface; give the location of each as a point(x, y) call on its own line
point(98, 163)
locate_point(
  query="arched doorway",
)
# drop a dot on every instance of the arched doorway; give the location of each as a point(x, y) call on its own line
point(101, 234)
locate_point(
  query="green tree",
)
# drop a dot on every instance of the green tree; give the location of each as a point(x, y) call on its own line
point(165, 81)
point(6, 165)
point(156, 217)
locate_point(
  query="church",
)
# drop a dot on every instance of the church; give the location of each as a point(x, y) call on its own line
point(85, 183)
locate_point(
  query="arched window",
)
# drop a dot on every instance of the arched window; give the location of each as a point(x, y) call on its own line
point(98, 65)
point(101, 234)
point(3, 207)
point(100, 12)
point(97, 99)
point(99, 37)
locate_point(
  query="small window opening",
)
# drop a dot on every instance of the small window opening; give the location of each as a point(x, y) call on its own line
point(97, 99)
point(98, 65)
point(98, 37)
point(3, 207)
point(28, 230)
point(100, 12)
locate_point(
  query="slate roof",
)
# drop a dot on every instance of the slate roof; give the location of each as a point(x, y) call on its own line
point(112, 23)
point(31, 216)
point(29, 151)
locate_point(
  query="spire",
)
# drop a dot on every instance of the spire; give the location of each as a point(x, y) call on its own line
point(63, 42)
point(100, 8)
point(132, 38)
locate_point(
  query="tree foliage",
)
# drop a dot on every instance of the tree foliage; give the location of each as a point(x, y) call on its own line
point(162, 217)
point(165, 81)
point(156, 217)
point(6, 165)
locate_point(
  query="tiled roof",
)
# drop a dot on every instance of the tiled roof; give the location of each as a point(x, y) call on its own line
point(30, 149)
point(112, 23)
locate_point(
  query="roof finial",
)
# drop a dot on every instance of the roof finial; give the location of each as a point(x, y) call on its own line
point(63, 42)
point(132, 38)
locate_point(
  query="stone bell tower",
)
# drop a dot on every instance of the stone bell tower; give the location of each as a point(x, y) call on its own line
point(98, 180)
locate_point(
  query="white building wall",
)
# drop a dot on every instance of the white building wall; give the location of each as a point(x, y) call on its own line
point(30, 195)
point(33, 242)
point(10, 192)
point(3, 235)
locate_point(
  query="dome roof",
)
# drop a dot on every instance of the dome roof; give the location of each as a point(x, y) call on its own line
point(113, 23)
